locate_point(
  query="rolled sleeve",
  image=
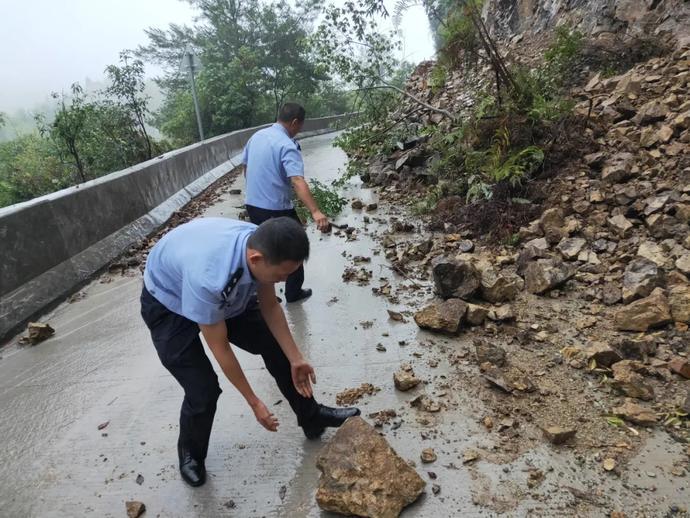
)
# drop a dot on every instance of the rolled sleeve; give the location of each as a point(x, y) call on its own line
point(291, 159)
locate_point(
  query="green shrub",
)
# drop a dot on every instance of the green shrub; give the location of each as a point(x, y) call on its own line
point(327, 198)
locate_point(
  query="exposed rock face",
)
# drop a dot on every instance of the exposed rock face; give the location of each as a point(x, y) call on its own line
point(642, 314)
point(443, 316)
point(546, 274)
point(362, 475)
point(604, 17)
point(455, 278)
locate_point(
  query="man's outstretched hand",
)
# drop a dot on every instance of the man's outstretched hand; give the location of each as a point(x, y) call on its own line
point(321, 220)
point(265, 417)
point(303, 376)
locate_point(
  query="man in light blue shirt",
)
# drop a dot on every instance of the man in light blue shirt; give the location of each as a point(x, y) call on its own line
point(274, 168)
point(204, 275)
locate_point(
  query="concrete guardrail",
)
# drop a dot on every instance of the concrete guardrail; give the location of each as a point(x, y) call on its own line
point(52, 244)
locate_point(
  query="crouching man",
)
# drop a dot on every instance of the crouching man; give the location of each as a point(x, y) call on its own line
point(204, 275)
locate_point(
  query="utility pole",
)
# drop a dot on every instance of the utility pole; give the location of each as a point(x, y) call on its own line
point(190, 61)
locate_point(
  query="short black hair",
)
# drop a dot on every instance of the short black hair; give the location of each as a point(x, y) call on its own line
point(280, 239)
point(291, 111)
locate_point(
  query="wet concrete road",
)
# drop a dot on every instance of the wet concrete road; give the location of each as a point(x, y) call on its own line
point(101, 367)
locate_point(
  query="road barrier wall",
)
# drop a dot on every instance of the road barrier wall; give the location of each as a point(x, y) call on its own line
point(52, 244)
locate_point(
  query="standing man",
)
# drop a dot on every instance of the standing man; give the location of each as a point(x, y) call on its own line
point(202, 276)
point(274, 167)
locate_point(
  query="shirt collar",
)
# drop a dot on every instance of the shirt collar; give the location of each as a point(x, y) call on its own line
point(282, 128)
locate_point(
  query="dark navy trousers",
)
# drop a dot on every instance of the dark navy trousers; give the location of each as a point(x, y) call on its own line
point(293, 285)
point(180, 350)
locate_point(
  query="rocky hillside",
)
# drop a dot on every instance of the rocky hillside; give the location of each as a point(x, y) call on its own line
point(580, 323)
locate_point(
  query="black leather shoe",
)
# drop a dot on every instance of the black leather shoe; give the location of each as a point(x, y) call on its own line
point(303, 294)
point(193, 472)
point(328, 417)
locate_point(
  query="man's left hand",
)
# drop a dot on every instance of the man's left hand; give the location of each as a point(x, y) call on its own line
point(321, 220)
point(303, 376)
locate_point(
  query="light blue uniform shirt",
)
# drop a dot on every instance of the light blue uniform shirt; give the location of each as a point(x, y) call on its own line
point(272, 157)
point(199, 270)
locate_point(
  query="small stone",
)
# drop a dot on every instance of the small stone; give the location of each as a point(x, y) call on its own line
point(617, 168)
point(637, 348)
point(357, 204)
point(602, 354)
point(404, 379)
point(559, 435)
point(428, 455)
point(652, 251)
point(609, 464)
point(571, 247)
point(443, 316)
point(620, 225)
point(501, 313)
point(372, 207)
point(635, 413)
point(488, 352)
point(651, 311)
point(38, 331)
point(683, 264)
point(469, 456)
point(465, 246)
point(476, 315)
point(499, 287)
point(655, 204)
point(651, 112)
point(551, 224)
point(629, 380)
point(679, 300)
point(135, 509)
point(546, 274)
point(611, 294)
point(640, 278)
point(680, 366)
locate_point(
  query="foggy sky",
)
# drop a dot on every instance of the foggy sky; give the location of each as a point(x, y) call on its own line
point(46, 45)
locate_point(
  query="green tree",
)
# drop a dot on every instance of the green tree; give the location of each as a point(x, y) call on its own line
point(255, 55)
point(68, 129)
point(127, 88)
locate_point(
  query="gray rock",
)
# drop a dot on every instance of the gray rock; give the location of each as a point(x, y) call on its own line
point(571, 247)
point(620, 225)
point(455, 278)
point(652, 112)
point(499, 287)
point(618, 168)
point(683, 264)
point(551, 223)
point(640, 278)
point(488, 352)
point(546, 274)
